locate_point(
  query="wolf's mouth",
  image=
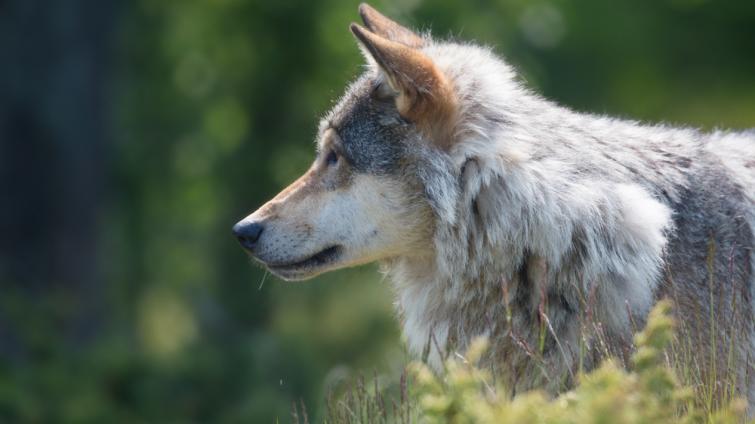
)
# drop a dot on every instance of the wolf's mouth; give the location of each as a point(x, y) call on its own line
point(317, 260)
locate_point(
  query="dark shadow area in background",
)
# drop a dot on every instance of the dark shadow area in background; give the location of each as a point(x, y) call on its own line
point(55, 127)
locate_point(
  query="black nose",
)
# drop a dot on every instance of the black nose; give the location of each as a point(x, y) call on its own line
point(248, 233)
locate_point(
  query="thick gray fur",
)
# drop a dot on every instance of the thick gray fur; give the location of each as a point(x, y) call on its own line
point(568, 223)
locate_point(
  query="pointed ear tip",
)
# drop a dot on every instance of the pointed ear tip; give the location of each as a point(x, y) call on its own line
point(358, 30)
point(366, 12)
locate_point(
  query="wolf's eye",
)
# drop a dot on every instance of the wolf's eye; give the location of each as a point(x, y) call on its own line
point(332, 158)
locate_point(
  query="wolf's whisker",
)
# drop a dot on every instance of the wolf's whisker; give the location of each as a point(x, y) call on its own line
point(263, 280)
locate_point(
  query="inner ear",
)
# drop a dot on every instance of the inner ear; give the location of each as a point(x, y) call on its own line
point(383, 91)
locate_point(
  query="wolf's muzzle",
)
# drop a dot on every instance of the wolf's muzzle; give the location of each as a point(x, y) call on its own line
point(248, 233)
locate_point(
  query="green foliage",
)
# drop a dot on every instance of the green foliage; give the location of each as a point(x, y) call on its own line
point(649, 393)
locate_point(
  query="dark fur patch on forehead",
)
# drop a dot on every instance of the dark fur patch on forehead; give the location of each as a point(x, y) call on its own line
point(372, 132)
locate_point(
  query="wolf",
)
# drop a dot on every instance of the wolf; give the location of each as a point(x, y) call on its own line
point(498, 213)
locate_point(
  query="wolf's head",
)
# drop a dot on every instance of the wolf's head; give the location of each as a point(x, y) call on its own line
point(385, 171)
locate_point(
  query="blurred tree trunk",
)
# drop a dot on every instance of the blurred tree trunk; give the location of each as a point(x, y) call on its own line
point(54, 123)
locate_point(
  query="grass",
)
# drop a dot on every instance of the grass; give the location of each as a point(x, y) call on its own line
point(649, 392)
point(361, 404)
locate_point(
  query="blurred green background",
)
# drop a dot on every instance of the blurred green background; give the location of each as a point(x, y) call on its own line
point(134, 134)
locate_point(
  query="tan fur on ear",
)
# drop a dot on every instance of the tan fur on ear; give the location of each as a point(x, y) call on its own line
point(381, 25)
point(425, 96)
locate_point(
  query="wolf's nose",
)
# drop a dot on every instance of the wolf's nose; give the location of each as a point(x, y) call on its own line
point(248, 233)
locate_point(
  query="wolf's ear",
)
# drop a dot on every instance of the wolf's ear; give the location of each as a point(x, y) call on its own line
point(424, 94)
point(386, 28)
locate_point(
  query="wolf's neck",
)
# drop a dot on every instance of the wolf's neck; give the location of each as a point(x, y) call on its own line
point(535, 214)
